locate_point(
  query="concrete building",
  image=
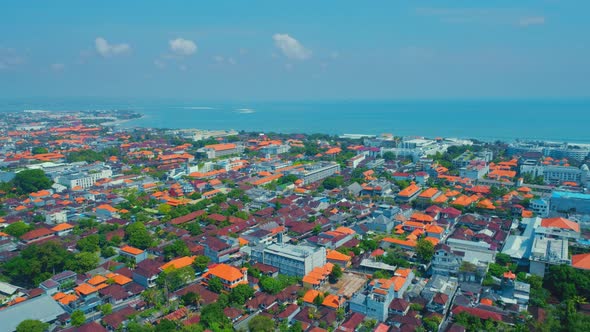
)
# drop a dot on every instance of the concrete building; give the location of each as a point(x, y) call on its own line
point(317, 172)
point(475, 170)
point(540, 207)
point(355, 161)
point(294, 260)
point(84, 177)
point(563, 201)
point(545, 252)
point(42, 308)
point(219, 150)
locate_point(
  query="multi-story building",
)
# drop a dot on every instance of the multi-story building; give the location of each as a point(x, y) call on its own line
point(563, 201)
point(545, 252)
point(84, 177)
point(540, 207)
point(219, 150)
point(275, 149)
point(476, 169)
point(355, 161)
point(375, 300)
point(294, 260)
point(317, 172)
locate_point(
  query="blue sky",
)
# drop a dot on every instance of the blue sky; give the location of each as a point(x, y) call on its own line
point(279, 50)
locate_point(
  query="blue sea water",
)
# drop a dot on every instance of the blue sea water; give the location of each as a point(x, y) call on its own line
point(555, 120)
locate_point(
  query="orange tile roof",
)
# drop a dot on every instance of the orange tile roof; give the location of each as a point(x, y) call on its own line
point(407, 243)
point(58, 295)
point(331, 301)
point(345, 230)
point(132, 250)
point(85, 289)
point(581, 261)
point(398, 282)
point(428, 193)
point(120, 279)
point(560, 223)
point(486, 301)
point(179, 262)
point(486, 204)
point(97, 279)
point(432, 240)
point(106, 207)
point(409, 191)
point(463, 200)
point(440, 199)
point(221, 147)
point(422, 217)
point(226, 272)
point(434, 229)
point(403, 272)
point(310, 295)
point(338, 256)
point(62, 227)
point(69, 298)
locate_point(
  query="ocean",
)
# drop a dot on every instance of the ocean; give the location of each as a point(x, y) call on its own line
point(508, 120)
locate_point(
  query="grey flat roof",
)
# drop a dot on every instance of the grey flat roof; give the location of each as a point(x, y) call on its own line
point(43, 308)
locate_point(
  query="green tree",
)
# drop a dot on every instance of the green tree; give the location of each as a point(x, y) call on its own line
point(106, 309)
point(270, 285)
point(333, 182)
point(173, 279)
point(425, 250)
point(107, 252)
point(261, 324)
point(32, 325)
point(89, 243)
point(200, 263)
point(39, 150)
point(335, 274)
point(138, 236)
point(17, 229)
point(37, 263)
point(212, 315)
point(84, 261)
point(215, 285)
point(166, 325)
point(503, 259)
point(31, 180)
point(176, 249)
point(78, 318)
point(240, 294)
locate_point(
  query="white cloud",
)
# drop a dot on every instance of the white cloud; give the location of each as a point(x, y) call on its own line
point(533, 20)
point(181, 46)
point(335, 55)
point(231, 61)
point(219, 59)
point(57, 66)
point(159, 63)
point(107, 50)
point(291, 47)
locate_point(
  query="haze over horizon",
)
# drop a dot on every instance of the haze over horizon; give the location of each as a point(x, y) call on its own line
point(308, 50)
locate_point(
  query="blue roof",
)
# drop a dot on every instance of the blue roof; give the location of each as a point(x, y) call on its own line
point(567, 194)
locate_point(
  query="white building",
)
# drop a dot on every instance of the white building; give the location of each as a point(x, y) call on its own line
point(293, 260)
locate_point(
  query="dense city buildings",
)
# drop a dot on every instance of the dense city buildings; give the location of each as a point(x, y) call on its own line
point(104, 227)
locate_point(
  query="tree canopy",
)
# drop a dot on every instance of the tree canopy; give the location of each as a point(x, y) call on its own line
point(32, 325)
point(31, 180)
point(425, 250)
point(261, 324)
point(138, 236)
point(37, 263)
